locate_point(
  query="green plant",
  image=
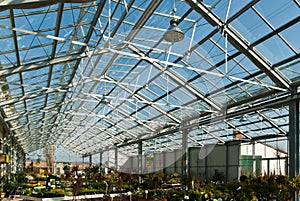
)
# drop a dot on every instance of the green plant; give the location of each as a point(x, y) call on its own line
point(194, 195)
point(19, 177)
point(51, 193)
point(86, 191)
point(175, 195)
point(98, 185)
point(295, 183)
point(146, 184)
point(159, 193)
point(157, 179)
point(187, 181)
point(7, 186)
point(67, 171)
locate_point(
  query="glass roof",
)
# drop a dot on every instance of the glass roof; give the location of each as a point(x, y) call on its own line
point(92, 75)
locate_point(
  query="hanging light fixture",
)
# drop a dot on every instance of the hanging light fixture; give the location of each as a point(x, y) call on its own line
point(173, 34)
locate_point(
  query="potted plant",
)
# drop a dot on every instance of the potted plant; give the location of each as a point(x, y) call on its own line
point(2, 194)
point(6, 186)
point(295, 184)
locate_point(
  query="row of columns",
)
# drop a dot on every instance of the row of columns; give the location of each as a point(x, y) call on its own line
point(293, 145)
point(101, 158)
point(185, 156)
point(11, 149)
point(16, 156)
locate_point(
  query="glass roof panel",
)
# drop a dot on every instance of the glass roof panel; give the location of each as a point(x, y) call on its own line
point(5, 31)
point(246, 64)
point(37, 18)
point(9, 58)
point(221, 7)
point(251, 26)
point(291, 69)
point(279, 13)
point(290, 35)
point(274, 43)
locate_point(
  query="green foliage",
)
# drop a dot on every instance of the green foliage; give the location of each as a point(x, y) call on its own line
point(194, 195)
point(95, 169)
point(75, 169)
point(98, 185)
point(19, 177)
point(92, 172)
point(29, 169)
point(26, 191)
point(86, 191)
point(247, 189)
point(39, 178)
point(49, 194)
point(161, 193)
point(126, 186)
point(250, 189)
point(147, 184)
point(187, 181)
point(173, 179)
point(157, 179)
point(7, 186)
point(295, 183)
point(175, 195)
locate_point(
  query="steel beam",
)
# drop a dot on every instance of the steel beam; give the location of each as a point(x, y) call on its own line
point(142, 20)
point(90, 161)
point(270, 121)
point(83, 48)
point(140, 160)
point(41, 64)
point(116, 159)
point(293, 139)
point(277, 103)
point(174, 77)
point(185, 154)
point(141, 98)
point(107, 150)
point(240, 44)
point(100, 159)
point(9, 4)
point(31, 112)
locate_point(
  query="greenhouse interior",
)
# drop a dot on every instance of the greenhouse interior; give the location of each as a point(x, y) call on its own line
point(149, 100)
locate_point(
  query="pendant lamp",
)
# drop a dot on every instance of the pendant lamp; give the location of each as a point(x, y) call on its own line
point(173, 34)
